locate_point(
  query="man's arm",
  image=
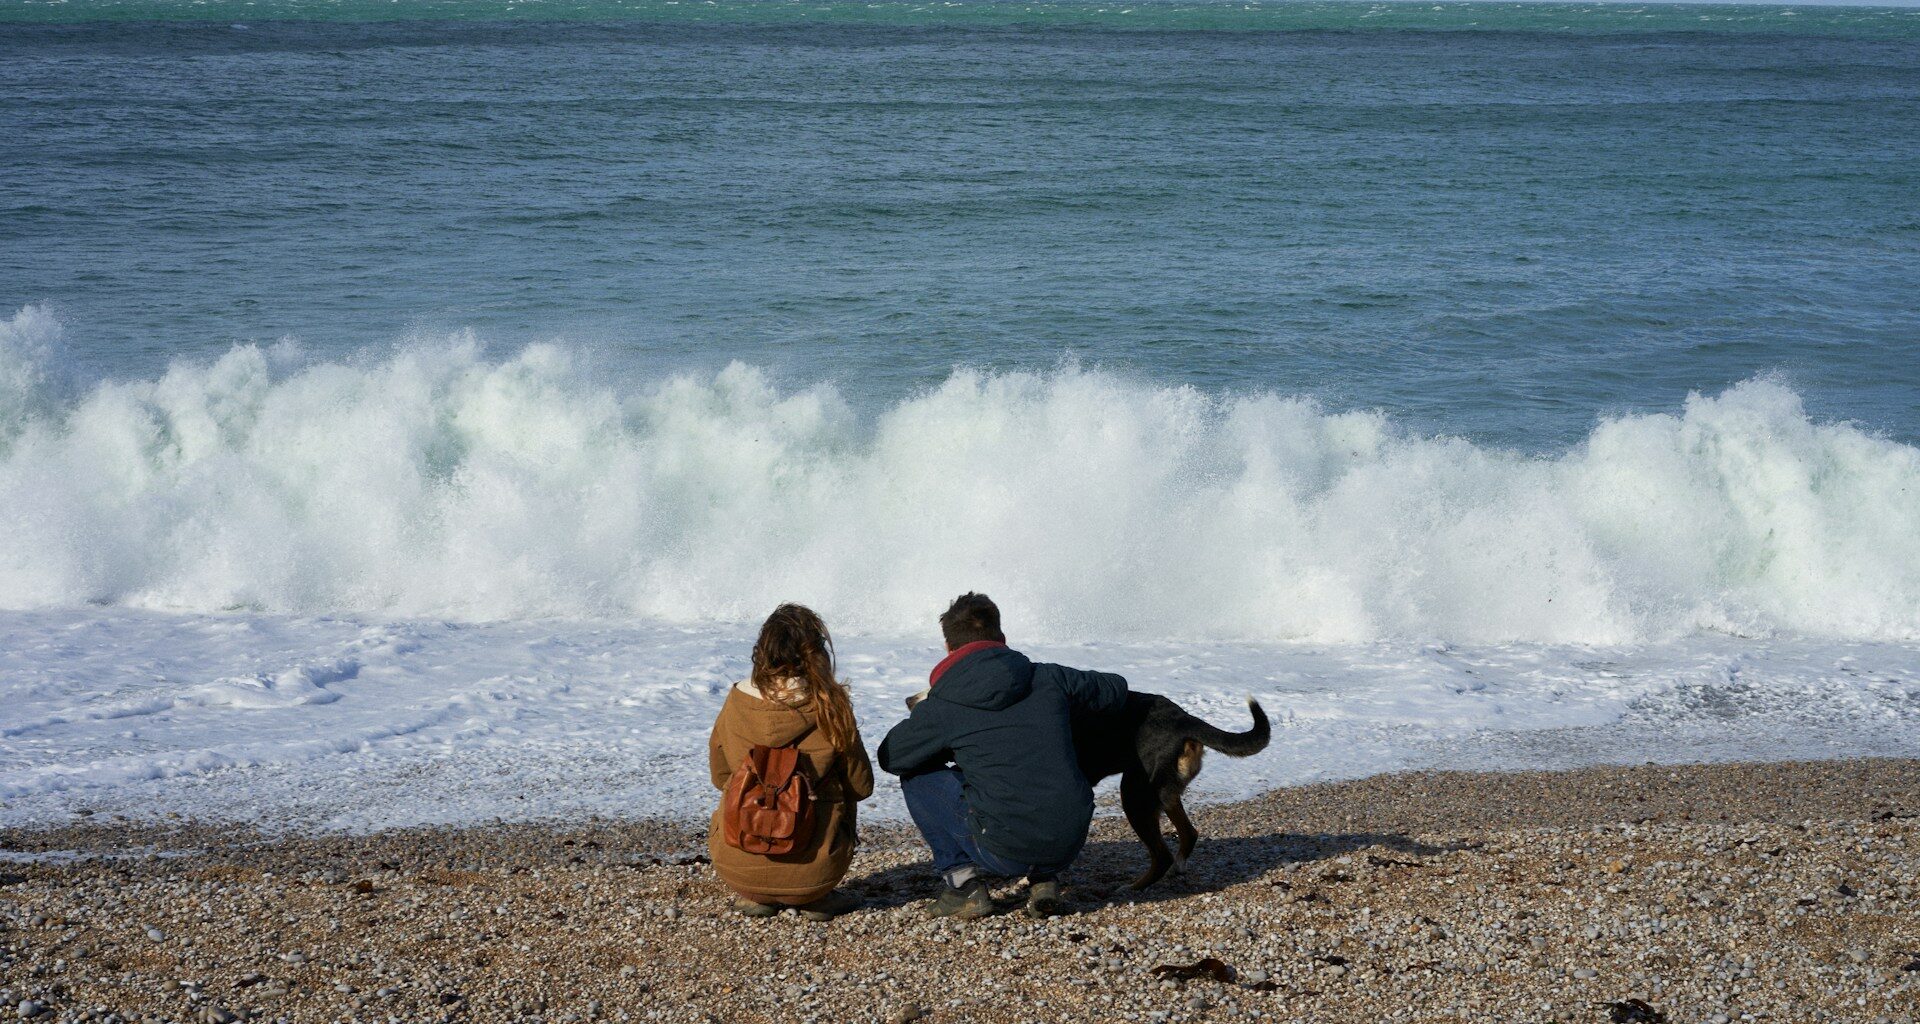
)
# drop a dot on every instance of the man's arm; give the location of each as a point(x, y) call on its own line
point(1099, 693)
point(915, 745)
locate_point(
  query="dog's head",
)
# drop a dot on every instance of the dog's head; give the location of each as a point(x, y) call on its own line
point(918, 697)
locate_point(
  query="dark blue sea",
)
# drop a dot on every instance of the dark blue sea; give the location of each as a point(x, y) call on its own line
point(1494, 220)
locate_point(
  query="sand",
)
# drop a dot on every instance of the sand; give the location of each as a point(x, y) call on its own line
point(1778, 892)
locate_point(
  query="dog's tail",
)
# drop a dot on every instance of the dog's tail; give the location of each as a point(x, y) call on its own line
point(1234, 744)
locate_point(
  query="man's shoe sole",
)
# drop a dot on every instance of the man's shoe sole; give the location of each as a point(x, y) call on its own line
point(1046, 908)
point(1043, 899)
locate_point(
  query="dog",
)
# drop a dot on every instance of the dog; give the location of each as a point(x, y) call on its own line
point(1156, 748)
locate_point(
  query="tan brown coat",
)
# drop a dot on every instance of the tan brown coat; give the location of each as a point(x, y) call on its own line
point(840, 781)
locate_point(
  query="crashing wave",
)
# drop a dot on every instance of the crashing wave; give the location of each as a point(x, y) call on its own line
point(437, 482)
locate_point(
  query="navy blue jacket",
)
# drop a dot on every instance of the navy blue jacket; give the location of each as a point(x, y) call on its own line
point(1007, 723)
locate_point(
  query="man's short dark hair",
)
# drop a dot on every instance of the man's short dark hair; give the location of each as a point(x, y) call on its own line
point(971, 617)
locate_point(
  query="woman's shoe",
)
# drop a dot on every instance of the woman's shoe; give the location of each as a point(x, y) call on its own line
point(749, 908)
point(828, 907)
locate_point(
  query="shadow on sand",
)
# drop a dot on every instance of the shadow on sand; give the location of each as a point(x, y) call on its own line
point(1102, 875)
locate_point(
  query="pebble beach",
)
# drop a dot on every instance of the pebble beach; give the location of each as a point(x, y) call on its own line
point(1702, 894)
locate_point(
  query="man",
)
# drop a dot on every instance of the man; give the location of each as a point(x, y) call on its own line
point(987, 763)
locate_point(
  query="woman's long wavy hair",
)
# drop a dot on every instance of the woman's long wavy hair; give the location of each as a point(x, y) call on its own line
point(793, 664)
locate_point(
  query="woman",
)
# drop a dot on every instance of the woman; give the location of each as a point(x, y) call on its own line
point(792, 700)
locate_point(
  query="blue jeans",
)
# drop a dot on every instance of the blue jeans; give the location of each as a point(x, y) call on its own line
point(938, 804)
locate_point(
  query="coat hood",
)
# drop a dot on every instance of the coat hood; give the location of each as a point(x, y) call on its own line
point(768, 723)
point(990, 679)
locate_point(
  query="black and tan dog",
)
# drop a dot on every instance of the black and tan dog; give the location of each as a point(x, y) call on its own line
point(1156, 747)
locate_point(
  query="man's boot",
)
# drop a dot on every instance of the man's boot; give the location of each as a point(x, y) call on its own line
point(969, 901)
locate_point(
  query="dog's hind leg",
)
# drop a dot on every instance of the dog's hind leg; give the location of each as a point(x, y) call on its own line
point(1192, 753)
point(1142, 805)
point(1182, 825)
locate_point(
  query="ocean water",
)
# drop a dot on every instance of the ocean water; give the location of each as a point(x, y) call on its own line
point(1496, 221)
point(405, 404)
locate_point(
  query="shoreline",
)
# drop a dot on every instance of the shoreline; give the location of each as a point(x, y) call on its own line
point(361, 723)
point(1754, 891)
point(1405, 801)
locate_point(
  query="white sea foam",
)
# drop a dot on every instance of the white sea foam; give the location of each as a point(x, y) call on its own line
point(221, 717)
point(437, 482)
point(436, 587)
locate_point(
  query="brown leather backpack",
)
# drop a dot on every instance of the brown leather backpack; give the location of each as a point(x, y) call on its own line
point(768, 803)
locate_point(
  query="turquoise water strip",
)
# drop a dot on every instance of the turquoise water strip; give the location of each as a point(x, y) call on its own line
point(1156, 15)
